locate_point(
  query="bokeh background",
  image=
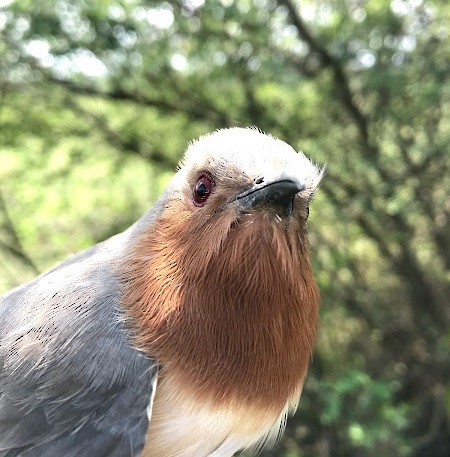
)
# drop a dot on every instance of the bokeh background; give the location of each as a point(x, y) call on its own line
point(99, 99)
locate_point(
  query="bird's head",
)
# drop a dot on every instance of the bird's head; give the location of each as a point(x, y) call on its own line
point(231, 179)
point(223, 269)
point(243, 171)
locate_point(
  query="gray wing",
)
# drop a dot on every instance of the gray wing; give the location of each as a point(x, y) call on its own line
point(71, 384)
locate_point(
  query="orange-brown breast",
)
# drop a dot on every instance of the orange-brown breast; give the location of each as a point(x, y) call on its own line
point(226, 304)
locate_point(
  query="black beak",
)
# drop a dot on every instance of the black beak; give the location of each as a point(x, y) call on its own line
point(278, 194)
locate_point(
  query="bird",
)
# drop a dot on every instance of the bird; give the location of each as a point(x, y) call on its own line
point(187, 335)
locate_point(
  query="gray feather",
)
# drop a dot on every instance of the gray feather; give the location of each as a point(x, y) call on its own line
point(71, 383)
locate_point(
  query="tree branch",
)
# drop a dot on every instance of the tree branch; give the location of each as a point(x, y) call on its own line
point(15, 248)
point(200, 113)
point(404, 264)
point(340, 79)
point(117, 141)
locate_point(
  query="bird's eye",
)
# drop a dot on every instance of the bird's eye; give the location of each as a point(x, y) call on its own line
point(203, 189)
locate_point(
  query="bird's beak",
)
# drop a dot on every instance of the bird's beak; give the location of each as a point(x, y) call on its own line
point(279, 194)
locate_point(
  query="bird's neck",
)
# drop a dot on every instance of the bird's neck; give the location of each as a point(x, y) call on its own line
point(232, 310)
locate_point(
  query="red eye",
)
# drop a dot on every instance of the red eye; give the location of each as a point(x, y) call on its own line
point(203, 189)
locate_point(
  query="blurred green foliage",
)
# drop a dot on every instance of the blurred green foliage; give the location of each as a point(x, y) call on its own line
point(98, 100)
